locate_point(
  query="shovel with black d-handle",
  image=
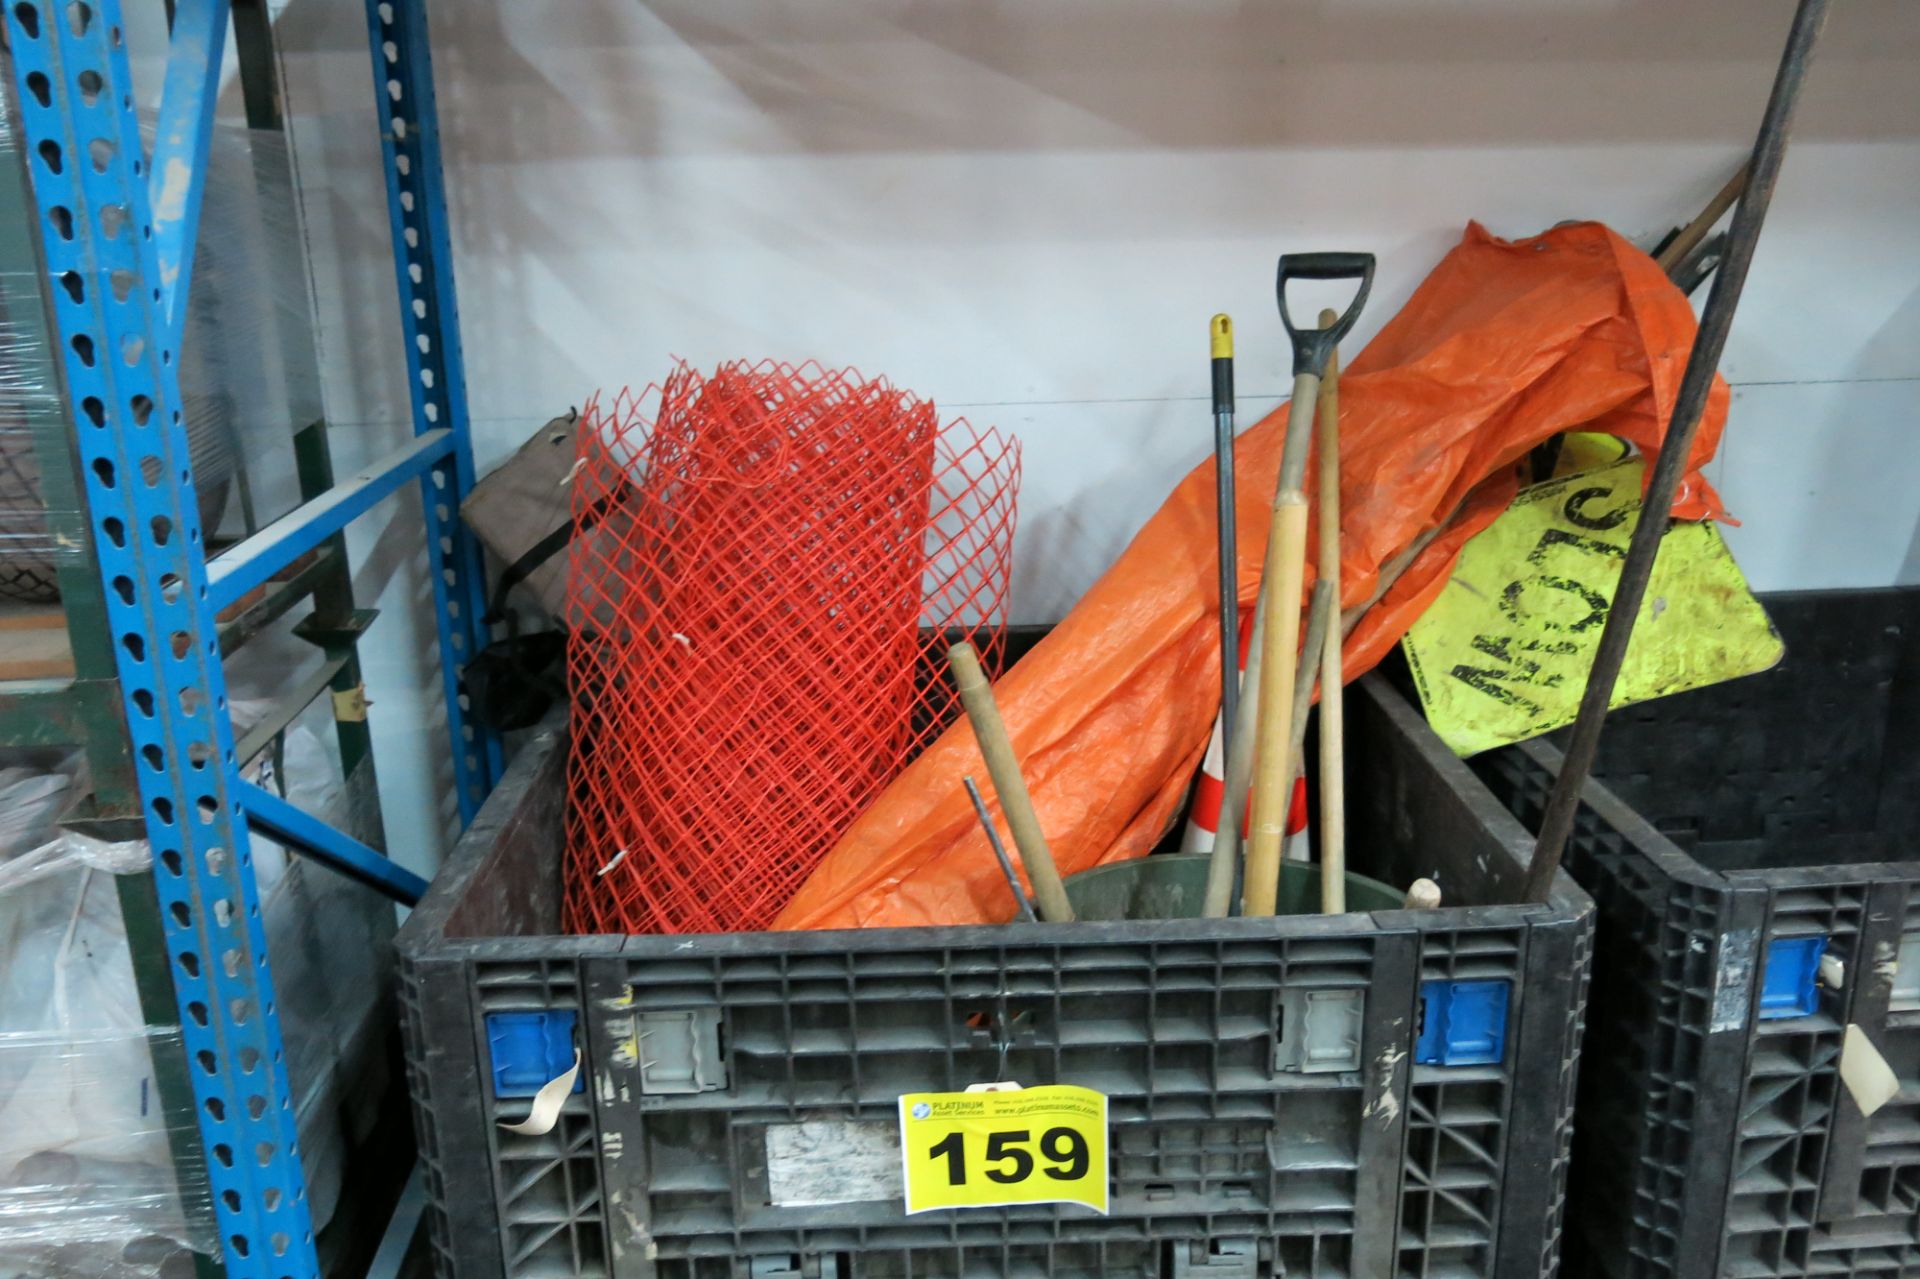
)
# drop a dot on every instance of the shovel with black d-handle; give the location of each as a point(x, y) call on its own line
point(1286, 567)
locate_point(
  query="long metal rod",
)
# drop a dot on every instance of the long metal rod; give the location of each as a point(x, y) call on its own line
point(1022, 907)
point(1221, 332)
point(1763, 170)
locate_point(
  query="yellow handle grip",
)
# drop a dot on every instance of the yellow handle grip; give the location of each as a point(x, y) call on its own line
point(1221, 329)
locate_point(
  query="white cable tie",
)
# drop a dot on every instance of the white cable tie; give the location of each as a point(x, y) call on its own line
point(547, 1103)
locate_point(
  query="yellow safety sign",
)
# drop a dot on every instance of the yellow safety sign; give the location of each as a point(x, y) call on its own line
point(1503, 653)
point(1589, 451)
point(991, 1149)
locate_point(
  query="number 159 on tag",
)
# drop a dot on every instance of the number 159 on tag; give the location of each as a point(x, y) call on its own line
point(992, 1149)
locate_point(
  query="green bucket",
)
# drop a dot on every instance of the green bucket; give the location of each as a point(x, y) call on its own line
point(1173, 885)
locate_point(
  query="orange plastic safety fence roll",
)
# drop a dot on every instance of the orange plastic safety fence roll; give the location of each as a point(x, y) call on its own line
point(768, 563)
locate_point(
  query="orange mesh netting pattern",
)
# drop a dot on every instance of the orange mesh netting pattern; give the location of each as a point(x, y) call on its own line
point(767, 565)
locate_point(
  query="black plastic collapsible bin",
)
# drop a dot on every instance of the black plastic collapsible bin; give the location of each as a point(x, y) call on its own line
point(1736, 837)
point(1366, 1095)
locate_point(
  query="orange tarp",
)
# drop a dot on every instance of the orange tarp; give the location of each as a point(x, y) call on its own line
point(1505, 344)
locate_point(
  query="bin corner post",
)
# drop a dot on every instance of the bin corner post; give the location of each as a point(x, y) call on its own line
point(117, 285)
point(1868, 995)
point(1386, 1064)
point(1723, 1050)
point(612, 1036)
point(1540, 1127)
point(445, 1074)
point(436, 372)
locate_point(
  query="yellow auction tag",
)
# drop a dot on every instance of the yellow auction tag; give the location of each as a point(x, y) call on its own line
point(991, 1149)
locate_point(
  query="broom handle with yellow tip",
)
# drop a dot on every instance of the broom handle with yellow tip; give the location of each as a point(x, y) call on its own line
point(1220, 334)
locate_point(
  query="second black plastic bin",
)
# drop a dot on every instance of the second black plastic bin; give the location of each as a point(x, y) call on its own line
point(1753, 850)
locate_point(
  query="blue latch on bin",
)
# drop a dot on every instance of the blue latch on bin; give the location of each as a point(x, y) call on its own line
point(1462, 1023)
point(530, 1049)
point(1786, 987)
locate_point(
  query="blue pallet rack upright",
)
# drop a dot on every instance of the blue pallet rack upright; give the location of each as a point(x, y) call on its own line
point(117, 234)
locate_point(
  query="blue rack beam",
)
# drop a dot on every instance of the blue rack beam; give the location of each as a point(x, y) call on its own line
point(253, 562)
point(109, 296)
point(287, 822)
point(396, 1245)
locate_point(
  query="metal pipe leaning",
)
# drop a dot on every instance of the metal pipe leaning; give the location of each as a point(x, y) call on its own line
point(1023, 908)
point(1763, 170)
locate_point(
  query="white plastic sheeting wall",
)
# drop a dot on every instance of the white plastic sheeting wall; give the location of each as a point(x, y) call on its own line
point(1028, 210)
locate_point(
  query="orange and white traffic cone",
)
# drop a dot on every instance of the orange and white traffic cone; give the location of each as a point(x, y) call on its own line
point(1210, 788)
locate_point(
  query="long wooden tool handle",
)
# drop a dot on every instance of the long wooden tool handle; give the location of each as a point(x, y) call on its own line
point(1695, 231)
point(1286, 567)
point(1312, 640)
point(1049, 893)
point(1333, 728)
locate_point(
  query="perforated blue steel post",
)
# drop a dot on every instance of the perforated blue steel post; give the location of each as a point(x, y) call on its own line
point(423, 265)
point(110, 304)
point(187, 101)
